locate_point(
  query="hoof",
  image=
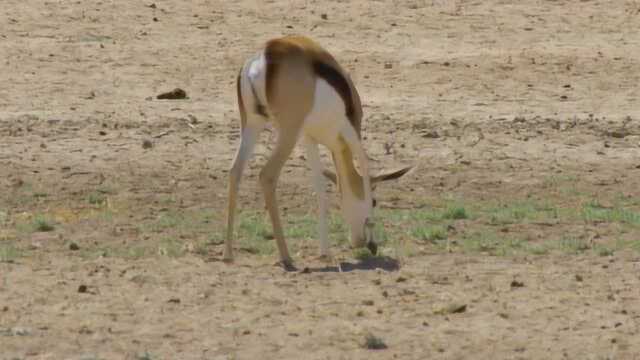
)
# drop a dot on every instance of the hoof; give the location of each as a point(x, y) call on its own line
point(287, 265)
point(226, 258)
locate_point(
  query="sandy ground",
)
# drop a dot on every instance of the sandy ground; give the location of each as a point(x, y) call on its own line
point(489, 99)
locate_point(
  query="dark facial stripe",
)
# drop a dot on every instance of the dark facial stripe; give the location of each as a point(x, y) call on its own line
point(341, 85)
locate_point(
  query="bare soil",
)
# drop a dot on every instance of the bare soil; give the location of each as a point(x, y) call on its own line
point(491, 100)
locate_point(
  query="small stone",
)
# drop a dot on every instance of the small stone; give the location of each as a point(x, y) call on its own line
point(517, 284)
point(82, 289)
point(324, 16)
point(431, 135)
point(373, 342)
point(175, 94)
point(147, 144)
point(73, 246)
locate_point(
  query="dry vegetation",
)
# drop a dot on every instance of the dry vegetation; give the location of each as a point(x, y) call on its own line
point(517, 236)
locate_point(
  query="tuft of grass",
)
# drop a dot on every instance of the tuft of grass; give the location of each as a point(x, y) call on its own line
point(144, 356)
point(42, 224)
point(455, 212)
point(40, 195)
point(373, 342)
point(96, 198)
point(538, 249)
point(604, 251)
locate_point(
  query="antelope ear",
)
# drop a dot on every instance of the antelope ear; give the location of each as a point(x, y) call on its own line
point(390, 175)
point(330, 175)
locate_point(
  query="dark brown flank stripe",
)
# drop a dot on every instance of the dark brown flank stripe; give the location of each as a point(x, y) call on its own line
point(339, 84)
point(323, 65)
point(243, 113)
point(273, 52)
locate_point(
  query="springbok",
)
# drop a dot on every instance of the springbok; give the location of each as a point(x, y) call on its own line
point(299, 87)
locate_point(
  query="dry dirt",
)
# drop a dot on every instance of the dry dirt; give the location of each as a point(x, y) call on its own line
point(489, 99)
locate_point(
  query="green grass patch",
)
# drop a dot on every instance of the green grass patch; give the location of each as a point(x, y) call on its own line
point(255, 235)
point(592, 211)
point(171, 247)
point(9, 253)
point(431, 234)
point(455, 212)
point(573, 245)
point(491, 242)
point(519, 212)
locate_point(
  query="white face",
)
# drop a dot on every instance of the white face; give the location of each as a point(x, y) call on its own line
point(359, 212)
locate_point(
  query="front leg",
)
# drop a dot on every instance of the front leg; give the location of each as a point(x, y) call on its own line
point(313, 159)
point(269, 175)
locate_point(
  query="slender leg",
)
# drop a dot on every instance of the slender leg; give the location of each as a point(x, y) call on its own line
point(313, 158)
point(245, 151)
point(269, 175)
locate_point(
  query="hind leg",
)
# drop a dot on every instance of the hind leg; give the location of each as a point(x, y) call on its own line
point(245, 151)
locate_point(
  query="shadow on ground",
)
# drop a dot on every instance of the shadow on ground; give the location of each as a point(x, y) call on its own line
point(379, 262)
